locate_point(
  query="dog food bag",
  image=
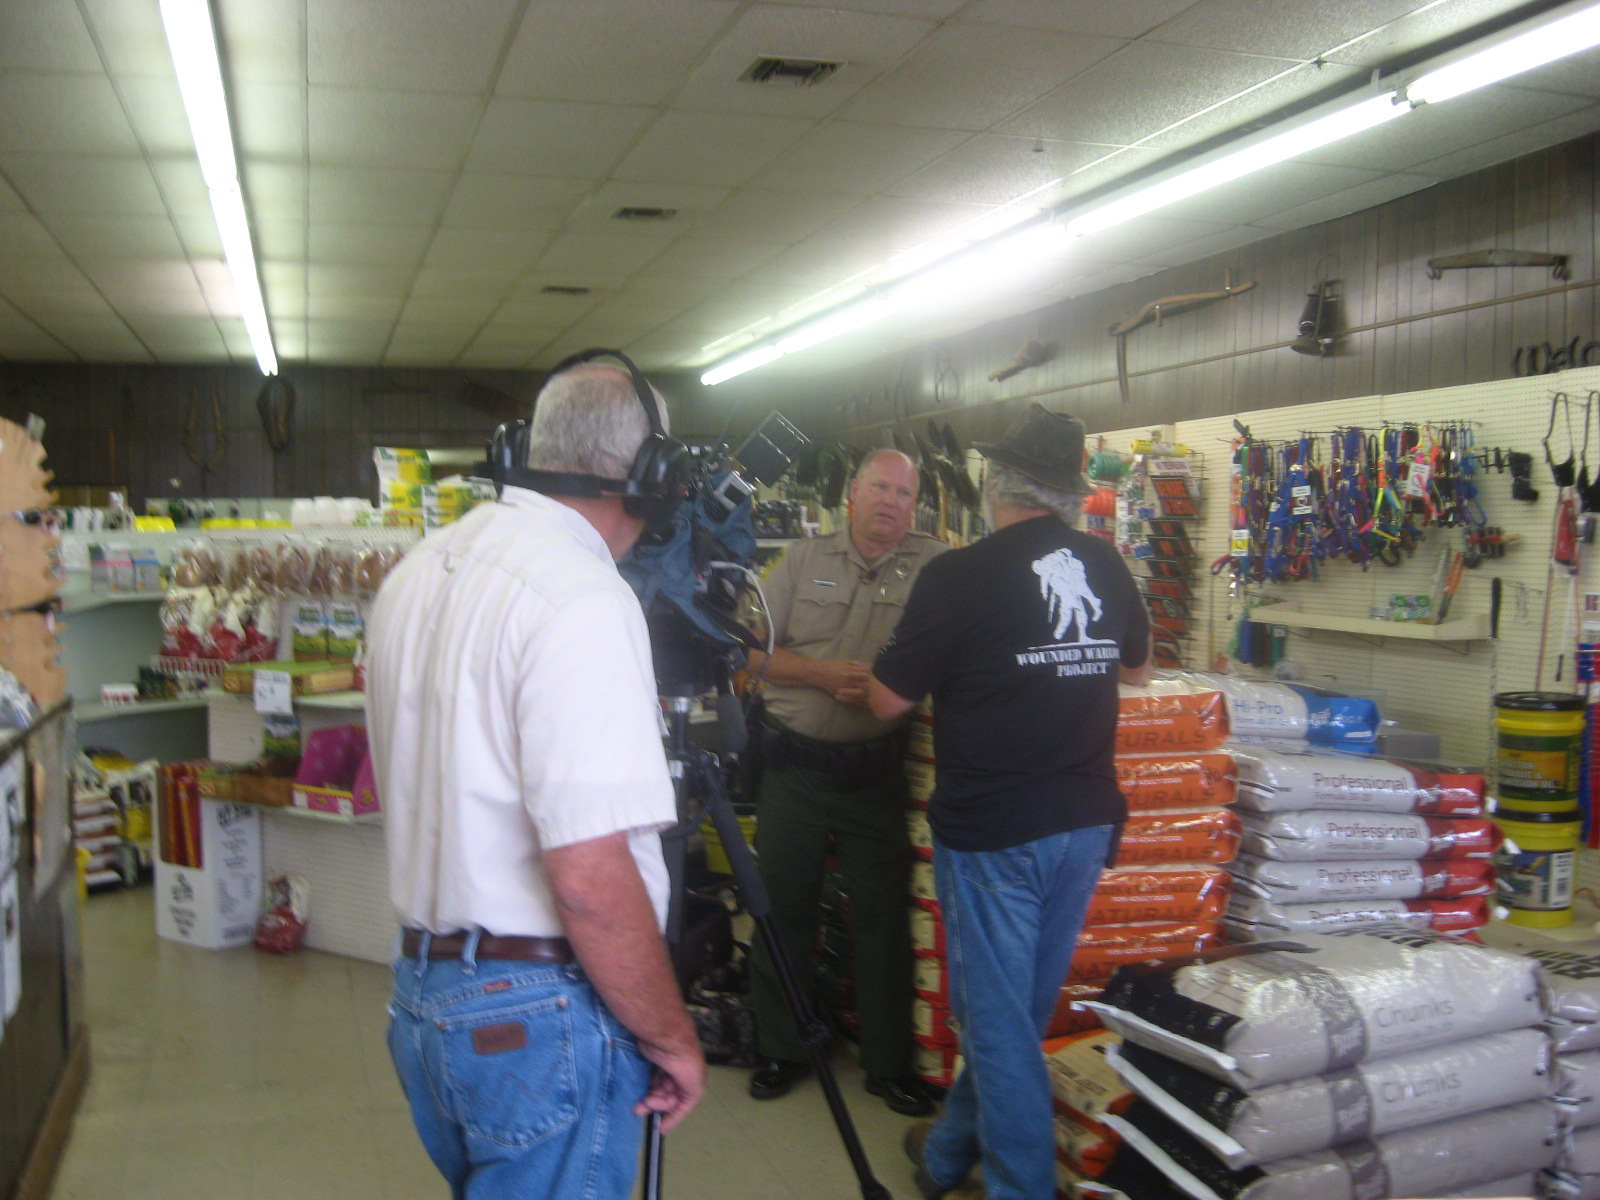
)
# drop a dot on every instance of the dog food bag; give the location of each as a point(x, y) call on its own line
point(1275, 1011)
point(1084, 1145)
point(1070, 1016)
point(1578, 1087)
point(1571, 983)
point(1104, 948)
point(1582, 1157)
point(1171, 716)
point(1152, 782)
point(1251, 919)
point(1423, 1161)
point(1258, 709)
point(1082, 1077)
point(1328, 833)
point(1128, 894)
point(1376, 879)
point(1514, 1186)
point(1279, 781)
point(1192, 836)
point(1399, 1092)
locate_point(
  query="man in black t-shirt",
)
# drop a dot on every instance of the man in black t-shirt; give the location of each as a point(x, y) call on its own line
point(1021, 640)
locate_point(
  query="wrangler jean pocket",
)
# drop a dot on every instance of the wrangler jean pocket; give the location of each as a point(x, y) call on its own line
point(511, 1074)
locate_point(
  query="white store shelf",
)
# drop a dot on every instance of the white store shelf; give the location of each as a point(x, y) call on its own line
point(352, 701)
point(81, 601)
point(312, 814)
point(1456, 629)
point(88, 713)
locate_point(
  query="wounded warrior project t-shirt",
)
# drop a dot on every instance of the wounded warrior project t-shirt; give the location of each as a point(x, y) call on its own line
point(1018, 638)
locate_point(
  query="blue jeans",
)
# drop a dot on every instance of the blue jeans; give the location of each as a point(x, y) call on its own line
point(521, 1082)
point(1011, 920)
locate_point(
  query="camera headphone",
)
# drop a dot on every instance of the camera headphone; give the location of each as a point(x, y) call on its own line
point(659, 480)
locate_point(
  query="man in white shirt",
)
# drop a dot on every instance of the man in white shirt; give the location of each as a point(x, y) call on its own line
point(517, 746)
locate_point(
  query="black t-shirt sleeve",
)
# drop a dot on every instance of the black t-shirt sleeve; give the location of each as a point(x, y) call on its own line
point(1136, 639)
point(913, 659)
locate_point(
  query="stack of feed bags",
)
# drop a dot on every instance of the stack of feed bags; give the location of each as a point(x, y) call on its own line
point(1380, 1061)
point(1167, 891)
point(1085, 1089)
point(937, 1052)
point(1335, 840)
point(1571, 984)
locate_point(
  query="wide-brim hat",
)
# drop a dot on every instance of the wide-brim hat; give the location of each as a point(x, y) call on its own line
point(1045, 446)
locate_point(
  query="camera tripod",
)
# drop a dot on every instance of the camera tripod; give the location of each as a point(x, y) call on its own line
point(698, 782)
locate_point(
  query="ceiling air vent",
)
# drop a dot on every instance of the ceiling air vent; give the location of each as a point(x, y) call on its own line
point(797, 72)
point(559, 289)
point(636, 212)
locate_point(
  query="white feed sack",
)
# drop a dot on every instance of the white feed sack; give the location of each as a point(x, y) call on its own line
point(1402, 1091)
point(1319, 834)
point(1429, 1160)
point(1252, 919)
point(1279, 781)
point(1274, 1011)
point(1571, 985)
point(1578, 1087)
point(1374, 879)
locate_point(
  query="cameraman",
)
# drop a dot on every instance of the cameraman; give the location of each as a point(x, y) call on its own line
point(516, 739)
point(830, 768)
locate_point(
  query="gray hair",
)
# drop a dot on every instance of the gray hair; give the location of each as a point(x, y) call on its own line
point(1008, 486)
point(588, 420)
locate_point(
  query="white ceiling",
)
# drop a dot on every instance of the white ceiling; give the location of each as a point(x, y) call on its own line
point(418, 170)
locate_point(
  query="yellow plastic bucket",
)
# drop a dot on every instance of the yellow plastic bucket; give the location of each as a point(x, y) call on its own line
point(716, 854)
point(1536, 865)
point(1540, 738)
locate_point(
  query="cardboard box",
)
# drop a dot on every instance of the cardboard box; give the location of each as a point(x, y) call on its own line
point(335, 802)
point(217, 781)
point(267, 791)
point(305, 678)
point(214, 906)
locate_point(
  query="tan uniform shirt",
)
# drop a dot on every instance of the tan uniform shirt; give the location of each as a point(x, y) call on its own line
point(829, 603)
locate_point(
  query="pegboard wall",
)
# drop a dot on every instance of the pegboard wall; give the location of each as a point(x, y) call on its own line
point(1440, 687)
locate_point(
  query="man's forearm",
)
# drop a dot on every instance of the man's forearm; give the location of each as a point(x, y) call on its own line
point(612, 927)
point(786, 668)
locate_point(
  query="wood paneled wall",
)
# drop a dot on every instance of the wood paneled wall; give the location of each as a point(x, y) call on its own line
point(1233, 356)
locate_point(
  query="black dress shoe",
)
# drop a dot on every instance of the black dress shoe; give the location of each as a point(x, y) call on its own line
point(775, 1077)
point(906, 1096)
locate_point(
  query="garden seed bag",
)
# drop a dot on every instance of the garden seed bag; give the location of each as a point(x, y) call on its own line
point(1274, 1011)
point(1399, 1092)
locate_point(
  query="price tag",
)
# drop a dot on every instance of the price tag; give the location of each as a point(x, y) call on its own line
point(274, 693)
point(1301, 500)
point(1420, 475)
point(1239, 543)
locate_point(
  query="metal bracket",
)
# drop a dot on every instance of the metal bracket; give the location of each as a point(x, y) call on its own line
point(1498, 258)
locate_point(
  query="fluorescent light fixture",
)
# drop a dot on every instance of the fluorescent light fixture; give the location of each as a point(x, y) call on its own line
point(193, 41)
point(984, 267)
point(1546, 42)
point(1235, 164)
point(846, 320)
point(738, 366)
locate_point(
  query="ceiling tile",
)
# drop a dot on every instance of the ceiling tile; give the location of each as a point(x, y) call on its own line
point(22, 235)
point(1523, 141)
point(121, 186)
point(130, 36)
point(38, 274)
point(760, 214)
point(269, 120)
point(489, 249)
point(856, 158)
point(1255, 106)
point(507, 337)
point(357, 243)
point(354, 308)
point(1115, 101)
point(549, 137)
point(263, 39)
point(1125, 19)
point(492, 357)
point(283, 240)
point(889, 224)
point(199, 236)
point(596, 212)
point(609, 51)
point(970, 76)
point(447, 282)
point(708, 258)
point(155, 108)
point(1147, 235)
point(282, 278)
point(45, 35)
point(725, 149)
point(576, 254)
point(1283, 28)
point(1339, 204)
point(599, 281)
point(492, 201)
point(358, 281)
point(1204, 247)
point(280, 191)
point(1430, 23)
point(46, 113)
point(467, 311)
point(23, 341)
point(389, 196)
point(178, 339)
point(866, 43)
point(437, 45)
point(1578, 75)
point(183, 187)
point(436, 330)
point(9, 200)
point(102, 338)
point(541, 312)
point(163, 295)
point(101, 237)
point(369, 127)
point(991, 169)
point(1479, 116)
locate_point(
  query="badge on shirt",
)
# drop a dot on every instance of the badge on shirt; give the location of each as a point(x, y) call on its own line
point(824, 583)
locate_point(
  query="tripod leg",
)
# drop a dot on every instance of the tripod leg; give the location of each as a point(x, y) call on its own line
point(812, 1032)
point(653, 1146)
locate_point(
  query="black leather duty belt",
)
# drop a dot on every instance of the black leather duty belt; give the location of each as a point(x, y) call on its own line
point(851, 764)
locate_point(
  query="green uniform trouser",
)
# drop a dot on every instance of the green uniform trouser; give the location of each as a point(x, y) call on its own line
point(796, 812)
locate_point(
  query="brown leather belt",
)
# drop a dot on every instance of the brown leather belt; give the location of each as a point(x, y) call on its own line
point(490, 946)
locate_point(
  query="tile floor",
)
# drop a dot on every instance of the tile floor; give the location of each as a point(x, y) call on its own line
point(237, 1075)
